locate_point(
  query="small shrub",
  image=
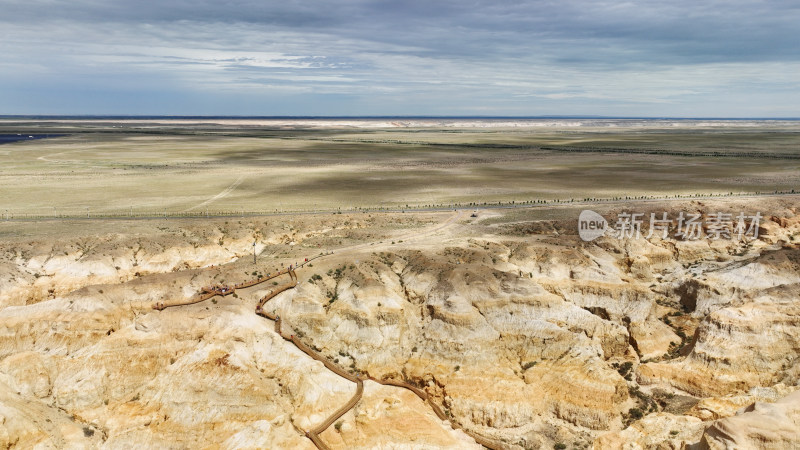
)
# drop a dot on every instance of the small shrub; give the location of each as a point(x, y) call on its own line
point(625, 368)
point(88, 432)
point(560, 446)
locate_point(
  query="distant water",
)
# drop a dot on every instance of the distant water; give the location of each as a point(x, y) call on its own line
point(9, 138)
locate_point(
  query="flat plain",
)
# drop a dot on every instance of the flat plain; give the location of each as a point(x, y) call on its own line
point(189, 167)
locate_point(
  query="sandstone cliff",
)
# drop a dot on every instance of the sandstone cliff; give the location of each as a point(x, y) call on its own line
point(524, 339)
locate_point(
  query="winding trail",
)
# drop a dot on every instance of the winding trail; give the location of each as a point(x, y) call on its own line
point(314, 433)
point(452, 220)
point(46, 158)
point(225, 192)
point(222, 291)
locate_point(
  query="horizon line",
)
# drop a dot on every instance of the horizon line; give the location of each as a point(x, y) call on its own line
point(376, 117)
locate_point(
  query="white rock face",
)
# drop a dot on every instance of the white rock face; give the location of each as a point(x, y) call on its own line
point(738, 348)
point(659, 430)
point(525, 340)
point(761, 425)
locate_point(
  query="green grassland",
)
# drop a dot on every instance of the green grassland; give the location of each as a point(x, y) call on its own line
point(115, 168)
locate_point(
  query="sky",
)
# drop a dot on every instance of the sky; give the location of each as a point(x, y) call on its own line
point(684, 58)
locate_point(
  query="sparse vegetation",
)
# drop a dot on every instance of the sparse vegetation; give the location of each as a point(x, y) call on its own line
point(616, 149)
point(635, 413)
point(624, 369)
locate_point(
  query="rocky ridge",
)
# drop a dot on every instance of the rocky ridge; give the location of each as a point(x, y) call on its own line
point(531, 340)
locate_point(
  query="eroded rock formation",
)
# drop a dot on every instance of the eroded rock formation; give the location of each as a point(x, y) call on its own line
point(525, 339)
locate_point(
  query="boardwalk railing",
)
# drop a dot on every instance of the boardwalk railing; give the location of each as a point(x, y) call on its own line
point(314, 433)
point(77, 213)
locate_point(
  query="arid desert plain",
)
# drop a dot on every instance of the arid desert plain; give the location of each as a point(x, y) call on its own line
point(408, 284)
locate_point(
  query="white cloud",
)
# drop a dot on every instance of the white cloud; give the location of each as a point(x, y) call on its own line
point(534, 57)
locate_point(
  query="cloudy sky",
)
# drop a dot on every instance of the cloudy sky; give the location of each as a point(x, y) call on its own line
point(678, 58)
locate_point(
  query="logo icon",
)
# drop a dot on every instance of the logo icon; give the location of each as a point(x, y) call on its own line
point(591, 225)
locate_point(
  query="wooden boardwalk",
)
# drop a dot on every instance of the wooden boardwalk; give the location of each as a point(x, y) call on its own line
point(313, 434)
point(223, 290)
